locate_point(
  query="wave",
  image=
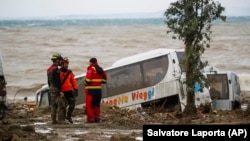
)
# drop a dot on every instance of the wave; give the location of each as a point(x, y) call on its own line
point(98, 21)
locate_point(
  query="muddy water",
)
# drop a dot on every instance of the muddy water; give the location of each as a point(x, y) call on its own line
point(78, 130)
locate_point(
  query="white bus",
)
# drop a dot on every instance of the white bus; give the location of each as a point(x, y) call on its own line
point(153, 77)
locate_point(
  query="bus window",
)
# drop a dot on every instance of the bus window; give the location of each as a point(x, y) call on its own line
point(124, 79)
point(218, 86)
point(136, 76)
point(154, 70)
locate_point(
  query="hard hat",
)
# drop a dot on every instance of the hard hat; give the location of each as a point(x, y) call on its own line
point(56, 56)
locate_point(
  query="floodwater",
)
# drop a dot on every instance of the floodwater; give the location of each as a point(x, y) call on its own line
point(26, 51)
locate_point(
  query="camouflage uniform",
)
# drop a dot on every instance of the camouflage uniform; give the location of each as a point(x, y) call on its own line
point(55, 90)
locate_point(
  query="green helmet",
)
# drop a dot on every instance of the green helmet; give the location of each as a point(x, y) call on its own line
point(56, 56)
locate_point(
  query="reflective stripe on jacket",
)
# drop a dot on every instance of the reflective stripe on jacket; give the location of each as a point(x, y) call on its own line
point(94, 80)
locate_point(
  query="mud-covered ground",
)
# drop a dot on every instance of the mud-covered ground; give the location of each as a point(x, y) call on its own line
point(29, 123)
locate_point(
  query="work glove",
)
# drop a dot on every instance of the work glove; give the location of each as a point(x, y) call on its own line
point(75, 93)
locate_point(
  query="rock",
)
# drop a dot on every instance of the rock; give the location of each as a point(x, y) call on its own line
point(22, 113)
point(29, 128)
point(15, 138)
point(118, 137)
point(115, 138)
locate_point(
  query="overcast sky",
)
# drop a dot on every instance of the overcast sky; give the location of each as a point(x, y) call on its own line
point(48, 8)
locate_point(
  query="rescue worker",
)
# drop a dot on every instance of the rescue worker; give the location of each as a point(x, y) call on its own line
point(69, 87)
point(95, 77)
point(54, 84)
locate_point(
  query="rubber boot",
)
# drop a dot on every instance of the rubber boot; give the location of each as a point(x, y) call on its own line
point(69, 119)
point(69, 113)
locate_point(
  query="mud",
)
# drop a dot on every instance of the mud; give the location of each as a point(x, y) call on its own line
point(29, 123)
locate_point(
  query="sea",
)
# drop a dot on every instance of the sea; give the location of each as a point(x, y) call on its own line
point(26, 46)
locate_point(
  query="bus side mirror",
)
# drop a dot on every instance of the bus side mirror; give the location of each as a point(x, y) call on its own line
point(173, 61)
point(229, 81)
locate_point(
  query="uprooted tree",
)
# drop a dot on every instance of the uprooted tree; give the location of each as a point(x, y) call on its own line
point(191, 21)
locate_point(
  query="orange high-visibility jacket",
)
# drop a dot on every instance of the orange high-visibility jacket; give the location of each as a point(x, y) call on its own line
point(70, 82)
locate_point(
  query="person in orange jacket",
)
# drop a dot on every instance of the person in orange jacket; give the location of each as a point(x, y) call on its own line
point(94, 79)
point(69, 87)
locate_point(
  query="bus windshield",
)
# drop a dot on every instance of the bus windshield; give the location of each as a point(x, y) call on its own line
point(136, 76)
